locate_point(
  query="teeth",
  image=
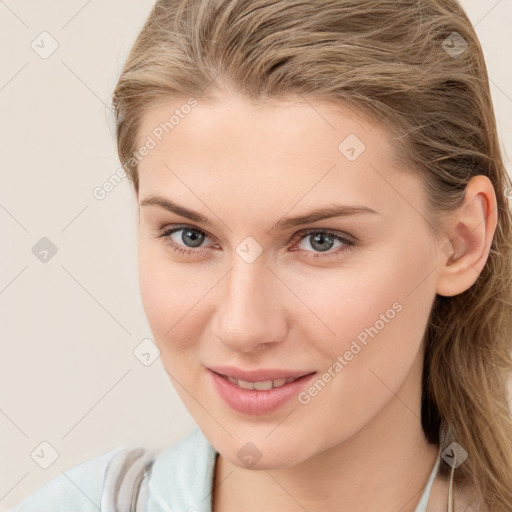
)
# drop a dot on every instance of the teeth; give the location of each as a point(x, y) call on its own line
point(261, 386)
point(246, 385)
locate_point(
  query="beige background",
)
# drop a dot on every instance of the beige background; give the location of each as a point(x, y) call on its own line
point(69, 326)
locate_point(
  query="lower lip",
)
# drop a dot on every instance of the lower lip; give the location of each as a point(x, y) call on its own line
point(253, 401)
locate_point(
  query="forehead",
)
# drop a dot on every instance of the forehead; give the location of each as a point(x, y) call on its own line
point(276, 153)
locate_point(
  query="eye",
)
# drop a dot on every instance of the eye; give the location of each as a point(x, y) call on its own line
point(191, 237)
point(188, 240)
point(323, 241)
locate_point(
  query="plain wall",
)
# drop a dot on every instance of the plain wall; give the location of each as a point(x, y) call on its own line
point(69, 325)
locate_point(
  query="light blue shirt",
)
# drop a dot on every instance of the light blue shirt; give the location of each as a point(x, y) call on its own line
point(181, 480)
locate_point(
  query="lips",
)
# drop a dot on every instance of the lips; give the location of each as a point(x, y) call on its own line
point(260, 375)
point(256, 397)
point(260, 385)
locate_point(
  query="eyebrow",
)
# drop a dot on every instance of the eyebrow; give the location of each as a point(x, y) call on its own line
point(335, 210)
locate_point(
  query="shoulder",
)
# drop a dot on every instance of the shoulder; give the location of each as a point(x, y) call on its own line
point(177, 478)
point(182, 475)
point(78, 489)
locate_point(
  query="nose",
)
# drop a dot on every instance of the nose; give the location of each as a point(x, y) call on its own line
point(251, 312)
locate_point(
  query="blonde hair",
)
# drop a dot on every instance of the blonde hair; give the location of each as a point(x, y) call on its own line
point(394, 62)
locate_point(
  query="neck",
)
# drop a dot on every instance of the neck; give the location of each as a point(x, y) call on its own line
point(385, 466)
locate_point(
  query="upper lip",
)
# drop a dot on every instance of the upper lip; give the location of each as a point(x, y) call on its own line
point(260, 375)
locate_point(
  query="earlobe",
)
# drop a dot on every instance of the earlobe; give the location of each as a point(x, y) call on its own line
point(468, 239)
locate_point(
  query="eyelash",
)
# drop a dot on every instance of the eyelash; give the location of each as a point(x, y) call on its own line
point(349, 243)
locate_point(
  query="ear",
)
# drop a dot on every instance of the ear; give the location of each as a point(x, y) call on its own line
point(468, 237)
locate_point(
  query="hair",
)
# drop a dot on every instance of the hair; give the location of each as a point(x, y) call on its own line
point(388, 61)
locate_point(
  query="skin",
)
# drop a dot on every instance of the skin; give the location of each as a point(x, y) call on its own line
point(245, 167)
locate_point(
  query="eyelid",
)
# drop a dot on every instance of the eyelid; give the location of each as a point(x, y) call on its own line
point(348, 240)
point(168, 229)
point(307, 231)
point(298, 234)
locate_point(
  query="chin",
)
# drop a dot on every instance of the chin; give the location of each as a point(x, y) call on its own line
point(260, 452)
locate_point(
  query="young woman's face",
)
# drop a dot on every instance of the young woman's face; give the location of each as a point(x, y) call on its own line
point(242, 285)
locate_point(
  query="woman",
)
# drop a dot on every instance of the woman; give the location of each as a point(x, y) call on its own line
point(324, 260)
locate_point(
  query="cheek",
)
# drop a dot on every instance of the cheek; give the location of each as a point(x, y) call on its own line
point(378, 316)
point(172, 295)
point(165, 291)
point(155, 289)
point(379, 324)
